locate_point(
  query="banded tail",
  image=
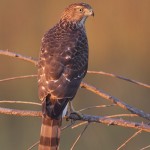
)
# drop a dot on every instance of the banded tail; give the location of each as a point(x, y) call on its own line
point(50, 134)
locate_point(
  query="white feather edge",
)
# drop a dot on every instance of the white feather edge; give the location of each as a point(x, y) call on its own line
point(65, 111)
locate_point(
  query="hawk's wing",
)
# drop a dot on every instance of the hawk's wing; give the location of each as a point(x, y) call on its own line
point(63, 63)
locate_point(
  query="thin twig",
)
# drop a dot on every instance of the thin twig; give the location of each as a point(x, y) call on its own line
point(18, 77)
point(145, 147)
point(17, 112)
point(120, 77)
point(35, 144)
point(19, 102)
point(129, 139)
point(19, 56)
point(97, 106)
point(115, 101)
point(78, 138)
point(79, 124)
point(122, 115)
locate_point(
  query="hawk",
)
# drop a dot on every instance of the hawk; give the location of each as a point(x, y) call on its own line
point(62, 65)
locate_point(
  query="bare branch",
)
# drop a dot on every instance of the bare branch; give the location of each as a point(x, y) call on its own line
point(112, 116)
point(115, 100)
point(19, 56)
point(89, 118)
point(129, 139)
point(145, 147)
point(98, 106)
point(120, 77)
point(16, 112)
point(35, 144)
point(78, 138)
point(122, 115)
point(79, 124)
point(112, 121)
point(18, 77)
point(19, 102)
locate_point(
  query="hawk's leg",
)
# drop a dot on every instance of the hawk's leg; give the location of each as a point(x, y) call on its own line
point(73, 111)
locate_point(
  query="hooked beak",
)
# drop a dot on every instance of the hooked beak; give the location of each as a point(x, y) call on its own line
point(89, 12)
point(92, 14)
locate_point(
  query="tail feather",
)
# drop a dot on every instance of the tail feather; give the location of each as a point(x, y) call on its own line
point(50, 134)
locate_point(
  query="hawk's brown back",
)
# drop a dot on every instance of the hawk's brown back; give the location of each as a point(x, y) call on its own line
point(63, 61)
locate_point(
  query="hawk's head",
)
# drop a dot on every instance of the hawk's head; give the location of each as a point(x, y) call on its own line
point(77, 12)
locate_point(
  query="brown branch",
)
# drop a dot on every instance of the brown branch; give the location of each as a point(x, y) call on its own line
point(19, 56)
point(129, 139)
point(16, 112)
point(120, 77)
point(79, 124)
point(18, 77)
point(35, 144)
point(115, 100)
point(122, 115)
point(89, 118)
point(146, 147)
point(112, 121)
point(111, 116)
point(97, 106)
point(19, 102)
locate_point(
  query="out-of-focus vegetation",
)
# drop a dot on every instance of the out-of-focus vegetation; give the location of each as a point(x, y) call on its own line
point(119, 40)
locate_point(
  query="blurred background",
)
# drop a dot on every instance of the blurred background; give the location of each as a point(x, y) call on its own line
point(119, 40)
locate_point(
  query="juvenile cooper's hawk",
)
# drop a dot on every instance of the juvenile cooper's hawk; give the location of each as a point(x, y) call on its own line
point(62, 66)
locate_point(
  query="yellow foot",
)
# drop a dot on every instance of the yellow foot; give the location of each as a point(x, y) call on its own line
point(73, 111)
point(80, 115)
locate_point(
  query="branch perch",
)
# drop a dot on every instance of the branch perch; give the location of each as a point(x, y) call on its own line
point(112, 121)
point(19, 56)
point(89, 118)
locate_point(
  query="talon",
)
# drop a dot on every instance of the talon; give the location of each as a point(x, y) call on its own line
point(80, 115)
point(73, 111)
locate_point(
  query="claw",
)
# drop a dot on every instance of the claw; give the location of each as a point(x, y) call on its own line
point(80, 115)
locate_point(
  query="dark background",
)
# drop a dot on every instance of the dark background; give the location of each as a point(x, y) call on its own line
point(119, 40)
